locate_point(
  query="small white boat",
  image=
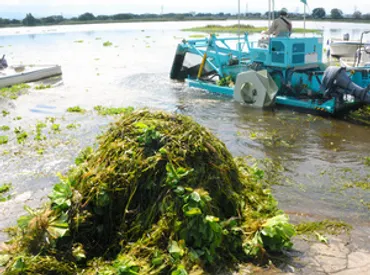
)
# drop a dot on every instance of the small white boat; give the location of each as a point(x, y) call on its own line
point(341, 48)
point(351, 62)
point(361, 58)
point(346, 47)
point(27, 73)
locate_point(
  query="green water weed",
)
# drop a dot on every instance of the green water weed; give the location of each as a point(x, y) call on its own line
point(76, 109)
point(159, 194)
point(21, 135)
point(4, 140)
point(5, 113)
point(5, 188)
point(4, 128)
point(55, 127)
point(42, 87)
point(104, 111)
point(107, 44)
point(72, 126)
point(14, 91)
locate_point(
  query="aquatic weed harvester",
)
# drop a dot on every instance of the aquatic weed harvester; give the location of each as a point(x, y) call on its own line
point(284, 71)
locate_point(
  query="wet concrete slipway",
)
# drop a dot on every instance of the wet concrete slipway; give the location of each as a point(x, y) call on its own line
point(318, 158)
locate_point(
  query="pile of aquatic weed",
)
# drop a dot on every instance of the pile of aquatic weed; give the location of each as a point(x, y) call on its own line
point(160, 195)
point(361, 115)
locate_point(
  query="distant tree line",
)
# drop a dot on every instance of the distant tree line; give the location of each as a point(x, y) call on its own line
point(30, 20)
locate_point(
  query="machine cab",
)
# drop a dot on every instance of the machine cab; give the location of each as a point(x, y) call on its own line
point(287, 52)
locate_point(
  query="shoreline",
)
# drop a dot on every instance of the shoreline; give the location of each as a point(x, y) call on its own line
point(70, 22)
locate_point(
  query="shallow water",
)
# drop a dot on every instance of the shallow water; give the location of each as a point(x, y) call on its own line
point(318, 155)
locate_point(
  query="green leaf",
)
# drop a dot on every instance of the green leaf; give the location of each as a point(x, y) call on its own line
point(58, 226)
point(163, 151)
point(4, 259)
point(141, 125)
point(175, 250)
point(193, 212)
point(23, 221)
point(19, 265)
point(212, 219)
point(61, 195)
point(321, 238)
point(180, 270)
point(157, 261)
point(78, 252)
point(195, 197)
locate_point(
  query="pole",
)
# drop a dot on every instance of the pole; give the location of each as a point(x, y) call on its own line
point(304, 20)
point(239, 17)
point(273, 10)
point(269, 17)
point(239, 47)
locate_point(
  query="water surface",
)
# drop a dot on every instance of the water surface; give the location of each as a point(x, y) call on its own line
point(318, 155)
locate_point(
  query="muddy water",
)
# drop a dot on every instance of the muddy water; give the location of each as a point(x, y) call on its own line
point(316, 156)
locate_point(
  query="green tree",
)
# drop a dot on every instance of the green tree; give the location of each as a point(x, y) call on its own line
point(357, 15)
point(336, 14)
point(29, 20)
point(318, 13)
point(86, 16)
point(366, 16)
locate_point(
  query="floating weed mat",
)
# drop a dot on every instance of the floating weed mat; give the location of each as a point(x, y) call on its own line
point(318, 228)
point(242, 28)
point(14, 91)
point(4, 189)
point(159, 195)
point(361, 115)
point(42, 87)
point(76, 109)
point(104, 111)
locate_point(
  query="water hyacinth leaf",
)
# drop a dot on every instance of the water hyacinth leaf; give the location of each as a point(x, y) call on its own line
point(252, 247)
point(141, 125)
point(175, 250)
point(213, 222)
point(4, 140)
point(180, 270)
point(23, 221)
point(84, 155)
point(78, 252)
point(4, 259)
point(61, 195)
point(157, 261)
point(179, 190)
point(175, 175)
point(5, 187)
point(277, 232)
point(19, 264)
point(163, 151)
point(193, 212)
point(195, 197)
point(58, 226)
point(125, 266)
point(194, 256)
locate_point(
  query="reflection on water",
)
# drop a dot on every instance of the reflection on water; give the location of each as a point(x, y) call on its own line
point(134, 72)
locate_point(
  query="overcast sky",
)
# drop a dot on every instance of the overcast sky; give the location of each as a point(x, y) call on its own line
point(75, 7)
